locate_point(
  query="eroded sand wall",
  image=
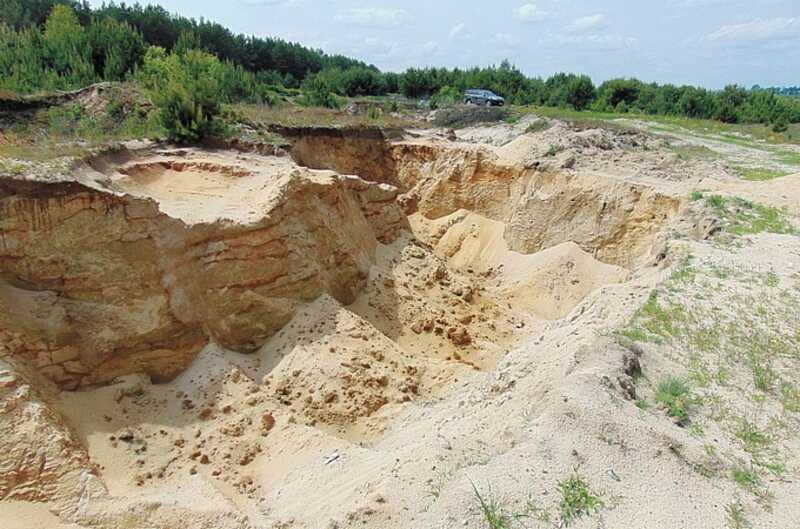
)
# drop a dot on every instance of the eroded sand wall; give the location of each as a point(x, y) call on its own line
point(97, 285)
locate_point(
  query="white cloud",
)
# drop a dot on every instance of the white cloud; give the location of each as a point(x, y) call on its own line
point(504, 39)
point(758, 30)
point(391, 54)
point(457, 30)
point(590, 42)
point(583, 24)
point(375, 17)
point(529, 13)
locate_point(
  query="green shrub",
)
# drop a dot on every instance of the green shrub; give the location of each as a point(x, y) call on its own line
point(187, 91)
point(780, 124)
point(447, 96)
point(317, 92)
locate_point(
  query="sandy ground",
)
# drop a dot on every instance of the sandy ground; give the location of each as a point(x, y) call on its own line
point(24, 515)
point(741, 150)
point(463, 368)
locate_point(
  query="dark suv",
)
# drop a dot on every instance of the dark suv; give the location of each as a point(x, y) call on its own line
point(483, 97)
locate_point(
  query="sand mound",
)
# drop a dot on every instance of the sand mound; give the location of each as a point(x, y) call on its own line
point(549, 283)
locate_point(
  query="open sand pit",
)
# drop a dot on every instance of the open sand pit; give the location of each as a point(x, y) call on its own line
point(210, 338)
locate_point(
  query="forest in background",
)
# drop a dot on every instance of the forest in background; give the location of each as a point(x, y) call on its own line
point(192, 68)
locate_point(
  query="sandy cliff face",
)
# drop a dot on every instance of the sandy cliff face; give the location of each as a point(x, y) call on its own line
point(119, 274)
point(538, 196)
point(43, 460)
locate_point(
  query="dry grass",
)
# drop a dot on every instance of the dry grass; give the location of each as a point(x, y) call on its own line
point(289, 115)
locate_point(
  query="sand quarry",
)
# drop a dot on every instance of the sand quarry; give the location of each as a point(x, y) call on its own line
point(379, 329)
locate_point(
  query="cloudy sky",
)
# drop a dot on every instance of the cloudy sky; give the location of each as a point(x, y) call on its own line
point(704, 42)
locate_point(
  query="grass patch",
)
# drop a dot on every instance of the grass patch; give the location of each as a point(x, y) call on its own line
point(583, 119)
point(694, 152)
point(749, 134)
point(764, 376)
point(577, 500)
point(72, 130)
point(790, 397)
point(654, 322)
point(743, 217)
point(675, 395)
point(790, 158)
point(747, 478)
point(436, 486)
point(756, 174)
point(289, 115)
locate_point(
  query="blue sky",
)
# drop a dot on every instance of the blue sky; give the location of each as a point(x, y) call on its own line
point(704, 42)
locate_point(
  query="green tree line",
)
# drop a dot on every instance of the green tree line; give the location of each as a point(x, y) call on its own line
point(734, 104)
point(158, 27)
point(63, 44)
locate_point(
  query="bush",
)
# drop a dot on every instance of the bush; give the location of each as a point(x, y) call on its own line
point(445, 97)
point(317, 92)
point(187, 91)
point(780, 124)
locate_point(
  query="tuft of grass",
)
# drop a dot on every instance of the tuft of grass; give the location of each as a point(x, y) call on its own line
point(772, 280)
point(753, 439)
point(577, 500)
point(553, 150)
point(533, 510)
point(436, 485)
point(492, 511)
point(735, 516)
point(747, 478)
point(764, 376)
point(675, 395)
point(790, 397)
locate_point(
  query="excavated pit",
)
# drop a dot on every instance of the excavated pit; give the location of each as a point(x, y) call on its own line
point(539, 204)
point(281, 304)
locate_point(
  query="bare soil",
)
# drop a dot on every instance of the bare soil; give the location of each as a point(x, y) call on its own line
point(376, 329)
